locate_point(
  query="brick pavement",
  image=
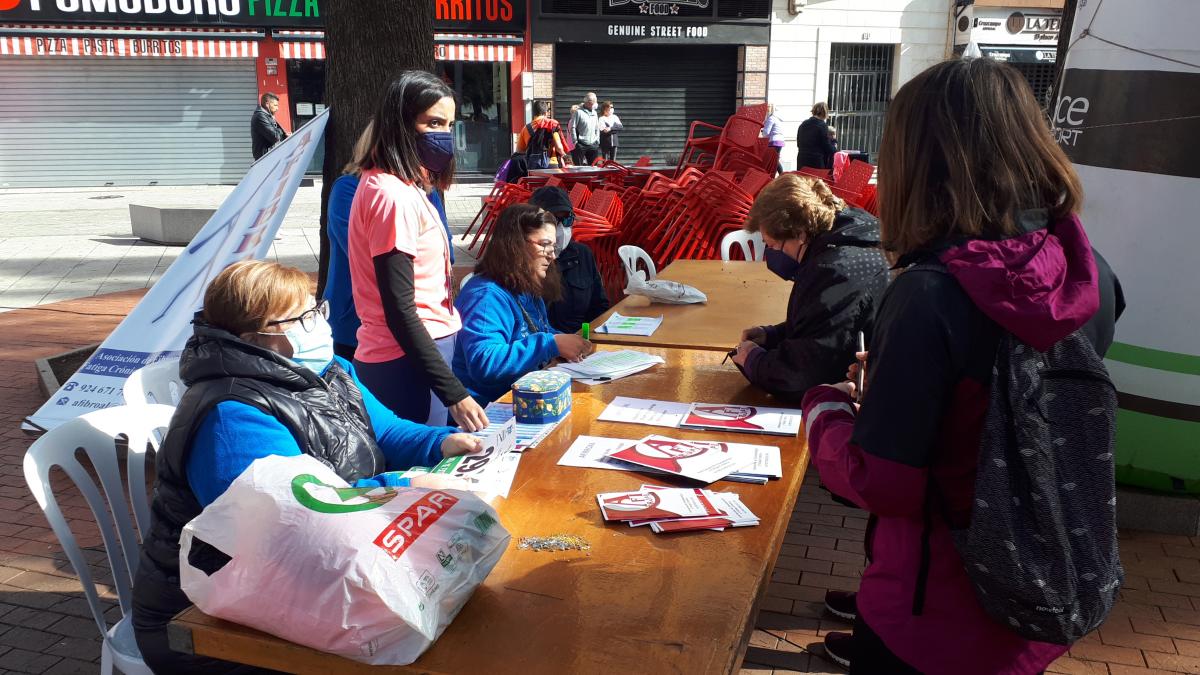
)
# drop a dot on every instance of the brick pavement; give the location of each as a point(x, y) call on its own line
point(45, 626)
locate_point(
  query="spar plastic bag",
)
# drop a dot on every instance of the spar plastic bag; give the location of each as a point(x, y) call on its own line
point(661, 290)
point(372, 574)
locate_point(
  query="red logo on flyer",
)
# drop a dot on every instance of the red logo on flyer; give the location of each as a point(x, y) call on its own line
point(6, 5)
point(416, 519)
point(634, 501)
point(665, 454)
point(732, 416)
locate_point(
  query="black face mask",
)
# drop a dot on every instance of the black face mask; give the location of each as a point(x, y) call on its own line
point(783, 265)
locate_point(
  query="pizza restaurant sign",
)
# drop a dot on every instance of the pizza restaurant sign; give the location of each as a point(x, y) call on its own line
point(477, 15)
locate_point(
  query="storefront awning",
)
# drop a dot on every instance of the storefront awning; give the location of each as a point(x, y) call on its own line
point(1019, 54)
point(447, 46)
point(131, 42)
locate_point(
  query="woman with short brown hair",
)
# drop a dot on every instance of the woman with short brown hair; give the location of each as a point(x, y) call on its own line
point(815, 145)
point(262, 380)
point(984, 231)
point(506, 329)
point(830, 253)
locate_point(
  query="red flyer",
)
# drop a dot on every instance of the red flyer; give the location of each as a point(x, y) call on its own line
point(705, 461)
point(747, 418)
point(655, 504)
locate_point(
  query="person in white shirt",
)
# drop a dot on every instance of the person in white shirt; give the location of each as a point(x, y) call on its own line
point(610, 124)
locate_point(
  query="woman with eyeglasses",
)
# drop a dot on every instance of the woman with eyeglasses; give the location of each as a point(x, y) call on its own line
point(262, 380)
point(400, 266)
point(506, 329)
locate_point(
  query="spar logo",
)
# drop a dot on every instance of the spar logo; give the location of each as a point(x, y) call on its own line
point(1069, 116)
point(416, 519)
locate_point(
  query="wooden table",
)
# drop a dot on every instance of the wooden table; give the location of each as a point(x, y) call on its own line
point(740, 295)
point(636, 602)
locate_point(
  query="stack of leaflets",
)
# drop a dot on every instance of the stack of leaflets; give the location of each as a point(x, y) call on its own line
point(709, 416)
point(630, 325)
point(490, 471)
point(608, 366)
point(667, 509)
point(527, 435)
point(704, 461)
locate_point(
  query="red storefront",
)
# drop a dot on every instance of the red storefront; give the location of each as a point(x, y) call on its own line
point(92, 96)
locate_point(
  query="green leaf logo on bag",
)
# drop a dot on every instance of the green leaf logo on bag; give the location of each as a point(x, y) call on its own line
point(351, 500)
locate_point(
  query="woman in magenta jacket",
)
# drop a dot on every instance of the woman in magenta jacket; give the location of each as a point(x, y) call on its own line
point(995, 224)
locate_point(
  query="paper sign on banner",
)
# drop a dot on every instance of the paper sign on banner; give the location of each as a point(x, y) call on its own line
point(242, 228)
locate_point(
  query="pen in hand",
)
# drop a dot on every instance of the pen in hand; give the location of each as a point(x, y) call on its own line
point(862, 369)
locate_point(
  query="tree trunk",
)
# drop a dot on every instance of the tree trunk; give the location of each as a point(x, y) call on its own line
point(1064, 41)
point(367, 44)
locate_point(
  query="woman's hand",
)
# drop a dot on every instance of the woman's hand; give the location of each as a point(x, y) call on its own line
point(439, 481)
point(469, 415)
point(572, 347)
point(757, 335)
point(743, 352)
point(461, 444)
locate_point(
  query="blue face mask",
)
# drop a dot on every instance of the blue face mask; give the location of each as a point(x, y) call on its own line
point(782, 264)
point(436, 149)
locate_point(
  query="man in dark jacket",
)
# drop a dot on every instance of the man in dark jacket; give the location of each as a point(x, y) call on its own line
point(831, 255)
point(816, 146)
point(583, 291)
point(265, 131)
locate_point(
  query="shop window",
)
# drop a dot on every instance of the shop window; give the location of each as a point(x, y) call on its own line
point(1041, 79)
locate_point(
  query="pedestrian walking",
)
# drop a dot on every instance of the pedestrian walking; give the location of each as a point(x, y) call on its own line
point(265, 131)
point(610, 126)
point(585, 127)
point(773, 131)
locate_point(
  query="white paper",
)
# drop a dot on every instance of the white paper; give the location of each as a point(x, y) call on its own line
point(527, 435)
point(618, 324)
point(304, 108)
point(591, 452)
point(742, 418)
point(645, 411)
point(607, 364)
point(489, 471)
point(319, 108)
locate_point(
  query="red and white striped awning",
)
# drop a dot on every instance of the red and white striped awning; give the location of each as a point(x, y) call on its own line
point(125, 43)
point(447, 47)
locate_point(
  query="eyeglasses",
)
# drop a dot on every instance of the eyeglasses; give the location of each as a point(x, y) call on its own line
point(308, 320)
point(545, 246)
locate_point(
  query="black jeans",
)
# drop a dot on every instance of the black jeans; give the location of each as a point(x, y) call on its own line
point(584, 154)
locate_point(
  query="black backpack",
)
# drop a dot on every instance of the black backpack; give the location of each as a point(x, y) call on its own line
point(1041, 549)
point(537, 154)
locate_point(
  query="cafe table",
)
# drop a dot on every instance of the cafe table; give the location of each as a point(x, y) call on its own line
point(636, 602)
point(740, 295)
point(668, 169)
point(572, 171)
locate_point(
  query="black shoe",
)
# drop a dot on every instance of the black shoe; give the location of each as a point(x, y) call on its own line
point(841, 604)
point(838, 648)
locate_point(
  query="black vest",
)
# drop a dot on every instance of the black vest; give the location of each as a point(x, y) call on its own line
point(326, 414)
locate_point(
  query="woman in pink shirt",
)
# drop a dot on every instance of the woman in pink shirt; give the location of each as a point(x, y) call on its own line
point(400, 258)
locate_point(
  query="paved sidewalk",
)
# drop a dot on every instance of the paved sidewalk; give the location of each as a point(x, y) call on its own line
point(61, 244)
point(45, 626)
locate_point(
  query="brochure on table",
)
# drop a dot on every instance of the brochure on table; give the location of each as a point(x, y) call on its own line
point(709, 416)
point(667, 509)
point(489, 471)
point(619, 324)
point(603, 367)
point(759, 462)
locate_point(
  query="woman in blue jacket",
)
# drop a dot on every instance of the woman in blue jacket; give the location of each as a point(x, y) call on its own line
point(506, 332)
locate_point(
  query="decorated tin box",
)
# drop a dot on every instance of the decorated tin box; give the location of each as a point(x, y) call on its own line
point(542, 396)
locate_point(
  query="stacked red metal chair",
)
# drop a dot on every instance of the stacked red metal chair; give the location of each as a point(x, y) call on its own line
point(507, 195)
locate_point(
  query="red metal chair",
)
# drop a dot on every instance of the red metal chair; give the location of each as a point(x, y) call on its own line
point(824, 174)
point(644, 160)
point(757, 112)
point(857, 176)
point(606, 203)
point(579, 195)
point(490, 212)
point(753, 181)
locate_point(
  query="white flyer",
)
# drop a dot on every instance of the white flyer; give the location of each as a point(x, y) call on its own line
point(645, 411)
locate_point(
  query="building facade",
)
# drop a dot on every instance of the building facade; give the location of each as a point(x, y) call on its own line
point(663, 64)
point(146, 92)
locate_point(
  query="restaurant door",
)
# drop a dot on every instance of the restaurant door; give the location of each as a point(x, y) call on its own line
point(306, 91)
point(482, 137)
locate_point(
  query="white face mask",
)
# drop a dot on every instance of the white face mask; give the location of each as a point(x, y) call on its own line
point(311, 349)
point(562, 237)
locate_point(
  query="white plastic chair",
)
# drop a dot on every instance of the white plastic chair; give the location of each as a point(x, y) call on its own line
point(631, 256)
point(463, 282)
point(95, 433)
point(752, 245)
point(156, 383)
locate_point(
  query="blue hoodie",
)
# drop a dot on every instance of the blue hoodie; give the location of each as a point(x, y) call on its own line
point(495, 346)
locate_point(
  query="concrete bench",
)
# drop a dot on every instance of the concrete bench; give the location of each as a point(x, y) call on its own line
point(168, 225)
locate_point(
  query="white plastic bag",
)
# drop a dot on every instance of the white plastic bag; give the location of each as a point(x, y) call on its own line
point(666, 292)
point(374, 575)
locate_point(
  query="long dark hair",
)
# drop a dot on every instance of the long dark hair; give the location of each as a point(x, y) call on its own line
point(965, 149)
point(508, 259)
point(393, 137)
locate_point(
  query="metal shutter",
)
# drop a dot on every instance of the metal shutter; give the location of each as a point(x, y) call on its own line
point(658, 91)
point(98, 121)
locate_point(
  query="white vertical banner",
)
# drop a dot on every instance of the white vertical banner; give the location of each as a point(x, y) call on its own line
point(161, 323)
